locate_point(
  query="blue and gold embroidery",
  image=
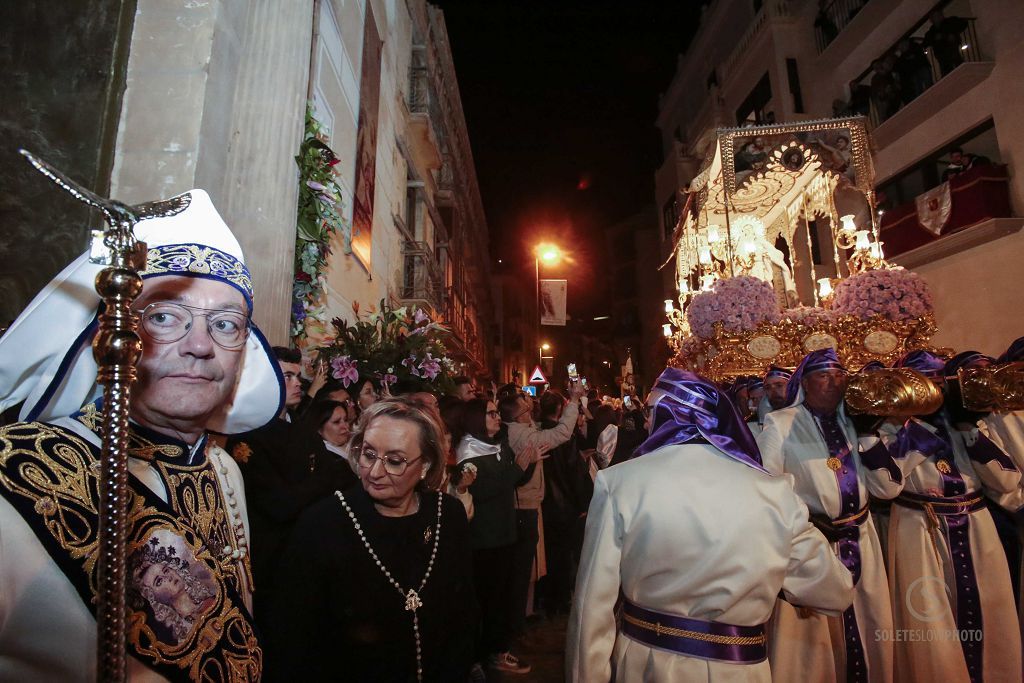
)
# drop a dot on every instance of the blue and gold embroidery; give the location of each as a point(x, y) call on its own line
point(198, 260)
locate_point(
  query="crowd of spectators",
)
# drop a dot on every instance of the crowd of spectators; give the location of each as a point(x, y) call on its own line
point(341, 495)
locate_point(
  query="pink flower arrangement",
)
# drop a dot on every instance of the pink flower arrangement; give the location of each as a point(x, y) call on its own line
point(808, 315)
point(740, 303)
point(895, 293)
point(344, 368)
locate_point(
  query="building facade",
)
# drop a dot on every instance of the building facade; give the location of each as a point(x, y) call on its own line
point(214, 95)
point(765, 61)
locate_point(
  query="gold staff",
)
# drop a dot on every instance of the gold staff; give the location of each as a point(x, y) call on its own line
point(116, 348)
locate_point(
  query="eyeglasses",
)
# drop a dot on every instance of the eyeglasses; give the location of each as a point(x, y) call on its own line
point(493, 413)
point(166, 322)
point(394, 465)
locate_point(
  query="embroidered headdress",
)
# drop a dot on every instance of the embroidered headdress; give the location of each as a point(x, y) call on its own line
point(45, 357)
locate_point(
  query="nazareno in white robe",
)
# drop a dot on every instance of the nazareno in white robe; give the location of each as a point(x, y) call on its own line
point(919, 559)
point(688, 531)
point(804, 645)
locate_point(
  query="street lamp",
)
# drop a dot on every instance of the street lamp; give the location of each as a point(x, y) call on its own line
point(540, 352)
point(550, 254)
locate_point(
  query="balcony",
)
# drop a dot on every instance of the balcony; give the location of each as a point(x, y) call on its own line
point(421, 282)
point(979, 203)
point(832, 18)
point(892, 84)
point(425, 120)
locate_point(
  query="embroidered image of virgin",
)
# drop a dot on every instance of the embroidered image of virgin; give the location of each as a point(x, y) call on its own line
point(169, 586)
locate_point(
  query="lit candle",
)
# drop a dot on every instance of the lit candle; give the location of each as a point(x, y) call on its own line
point(713, 235)
point(876, 250)
point(666, 329)
point(668, 306)
point(704, 255)
point(684, 286)
point(824, 287)
point(847, 222)
point(862, 240)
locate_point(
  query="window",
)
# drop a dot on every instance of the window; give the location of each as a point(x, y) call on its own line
point(753, 109)
point(793, 76)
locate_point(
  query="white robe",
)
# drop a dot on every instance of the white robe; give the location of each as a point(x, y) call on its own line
point(812, 647)
point(919, 556)
point(46, 631)
point(688, 531)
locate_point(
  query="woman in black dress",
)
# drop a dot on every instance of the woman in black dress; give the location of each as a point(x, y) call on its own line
point(376, 583)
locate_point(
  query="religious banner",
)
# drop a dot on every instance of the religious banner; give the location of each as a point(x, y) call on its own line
point(366, 142)
point(552, 301)
point(934, 208)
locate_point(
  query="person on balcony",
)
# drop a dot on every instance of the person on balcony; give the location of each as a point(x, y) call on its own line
point(913, 69)
point(945, 41)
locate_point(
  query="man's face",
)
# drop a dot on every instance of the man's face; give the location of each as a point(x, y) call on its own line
point(292, 383)
point(825, 389)
point(775, 390)
point(464, 391)
point(182, 384)
point(957, 157)
point(525, 409)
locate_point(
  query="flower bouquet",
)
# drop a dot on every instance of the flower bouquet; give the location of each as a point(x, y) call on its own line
point(894, 293)
point(391, 345)
point(740, 303)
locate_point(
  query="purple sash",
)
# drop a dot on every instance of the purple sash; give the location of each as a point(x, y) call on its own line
point(849, 546)
point(694, 637)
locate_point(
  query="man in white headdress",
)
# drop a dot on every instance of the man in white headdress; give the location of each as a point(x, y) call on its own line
point(697, 540)
point(204, 367)
point(815, 442)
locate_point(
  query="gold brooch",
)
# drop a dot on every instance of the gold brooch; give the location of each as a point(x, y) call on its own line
point(427, 535)
point(834, 464)
point(241, 452)
point(943, 466)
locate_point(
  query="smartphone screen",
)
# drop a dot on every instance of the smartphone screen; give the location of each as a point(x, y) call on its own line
point(626, 401)
point(573, 375)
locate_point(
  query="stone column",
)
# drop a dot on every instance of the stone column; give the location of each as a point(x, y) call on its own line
point(215, 98)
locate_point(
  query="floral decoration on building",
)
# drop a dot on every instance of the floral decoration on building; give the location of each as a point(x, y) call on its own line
point(391, 345)
point(319, 219)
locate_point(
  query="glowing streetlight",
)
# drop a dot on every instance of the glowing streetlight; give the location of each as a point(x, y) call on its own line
point(545, 346)
point(550, 254)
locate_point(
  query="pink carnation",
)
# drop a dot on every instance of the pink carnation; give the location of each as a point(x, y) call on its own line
point(895, 293)
point(740, 303)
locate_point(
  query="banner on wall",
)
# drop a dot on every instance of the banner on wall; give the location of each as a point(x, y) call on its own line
point(552, 301)
point(366, 142)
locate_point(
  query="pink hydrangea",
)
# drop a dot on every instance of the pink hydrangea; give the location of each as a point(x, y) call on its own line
point(740, 303)
point(895, 293)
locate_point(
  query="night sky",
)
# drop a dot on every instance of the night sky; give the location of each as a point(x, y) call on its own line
point(560, 99)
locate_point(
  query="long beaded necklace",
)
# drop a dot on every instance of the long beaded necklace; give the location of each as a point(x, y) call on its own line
point(412, 596)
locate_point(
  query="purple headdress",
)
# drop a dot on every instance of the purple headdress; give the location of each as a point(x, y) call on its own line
point(872, 366)
point(1014, 353)
point(686, 408)
point(925, 362)
point(964, 359)
point(815, 361)
point(776, 372)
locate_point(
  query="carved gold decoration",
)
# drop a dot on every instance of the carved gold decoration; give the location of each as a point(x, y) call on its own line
point(764, 347)
point(880, 342)
point(892, 392)
point(729, 354)
point(996, 388)
point(834, 464)
point(943, 466)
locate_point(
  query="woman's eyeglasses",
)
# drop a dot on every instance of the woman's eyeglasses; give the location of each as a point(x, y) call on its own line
point(395, 465)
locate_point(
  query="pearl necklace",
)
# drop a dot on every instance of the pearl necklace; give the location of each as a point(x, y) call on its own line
point(240, 551)
point(412, 596)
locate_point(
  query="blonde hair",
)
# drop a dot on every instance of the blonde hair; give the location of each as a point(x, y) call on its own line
point(402, 408)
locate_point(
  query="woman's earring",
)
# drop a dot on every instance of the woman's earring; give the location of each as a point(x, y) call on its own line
point(423, 474)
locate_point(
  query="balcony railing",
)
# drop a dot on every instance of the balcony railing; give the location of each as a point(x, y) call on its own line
point(421, 283)
point(880, 94)
point(832, 18)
